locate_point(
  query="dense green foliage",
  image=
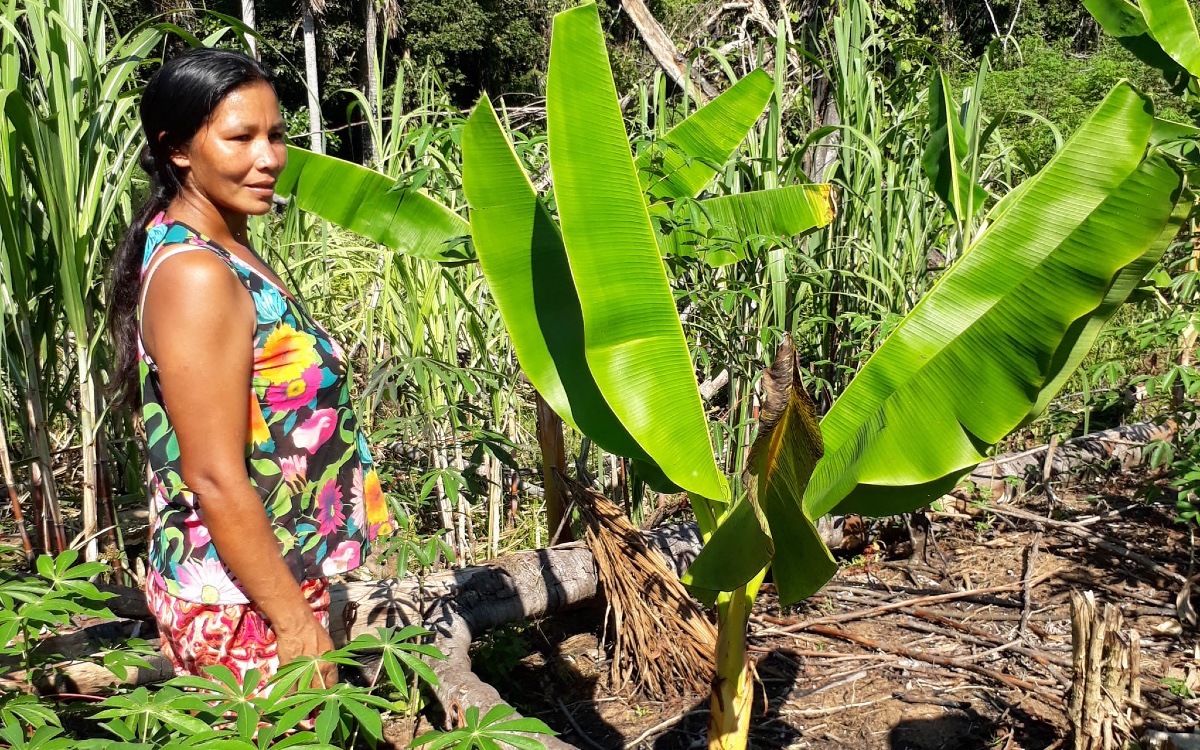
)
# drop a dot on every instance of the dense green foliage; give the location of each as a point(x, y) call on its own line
point(448, 408)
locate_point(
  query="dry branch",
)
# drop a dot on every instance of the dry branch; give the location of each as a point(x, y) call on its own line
point(1045, 694)
point(664, 50)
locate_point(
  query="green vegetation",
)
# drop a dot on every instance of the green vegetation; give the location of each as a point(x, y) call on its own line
point(907, 207)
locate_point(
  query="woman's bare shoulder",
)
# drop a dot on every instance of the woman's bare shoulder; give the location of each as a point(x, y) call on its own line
point(192, 282)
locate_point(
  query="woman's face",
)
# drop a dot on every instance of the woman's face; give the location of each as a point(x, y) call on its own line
point(235, 158)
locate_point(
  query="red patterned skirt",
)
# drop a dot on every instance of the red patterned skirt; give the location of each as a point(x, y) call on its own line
point(239, 636)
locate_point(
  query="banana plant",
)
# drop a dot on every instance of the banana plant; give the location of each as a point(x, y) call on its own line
point(1160, 33)
point(591, 314)
point(586, 302)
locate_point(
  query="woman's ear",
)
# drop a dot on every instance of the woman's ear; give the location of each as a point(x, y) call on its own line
point(179, 156)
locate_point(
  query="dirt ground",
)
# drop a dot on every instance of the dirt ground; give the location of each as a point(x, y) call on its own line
point(960, 673)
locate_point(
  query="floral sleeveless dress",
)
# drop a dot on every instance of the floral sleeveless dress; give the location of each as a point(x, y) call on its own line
point(305, 453)
point(305, 456)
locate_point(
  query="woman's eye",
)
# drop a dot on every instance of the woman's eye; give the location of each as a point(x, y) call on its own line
point(276, 137)
point(244, 138)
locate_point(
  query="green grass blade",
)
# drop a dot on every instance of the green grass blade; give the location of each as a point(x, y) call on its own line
point(634, 339)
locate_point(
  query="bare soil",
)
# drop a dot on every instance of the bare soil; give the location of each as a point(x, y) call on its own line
point(953, 674)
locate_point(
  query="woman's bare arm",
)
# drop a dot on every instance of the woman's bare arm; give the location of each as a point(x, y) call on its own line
point(198, 323)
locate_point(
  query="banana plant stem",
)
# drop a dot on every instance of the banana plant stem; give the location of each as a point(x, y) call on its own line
point(733, 688)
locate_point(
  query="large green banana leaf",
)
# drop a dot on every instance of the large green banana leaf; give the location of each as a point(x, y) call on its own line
point(1083, 332)
point(973, 357)
point(781, 460)
point(633, 338)
point(1125, 22)
point(945, 151)
point(684, 160)
point(1172, 25)
point(781, 212)
point(367, 202)
point(521, 253)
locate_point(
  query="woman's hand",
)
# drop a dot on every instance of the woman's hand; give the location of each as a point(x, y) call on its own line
point(307, 639)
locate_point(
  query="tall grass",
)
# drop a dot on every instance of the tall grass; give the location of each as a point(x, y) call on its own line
point(70, 146)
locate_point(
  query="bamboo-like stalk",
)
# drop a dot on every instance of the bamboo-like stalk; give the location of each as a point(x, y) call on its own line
point(90, 457)
point(54, 538)
point(11, 482)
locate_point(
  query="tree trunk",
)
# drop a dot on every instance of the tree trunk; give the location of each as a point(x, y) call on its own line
point(372, 43)
point(554, 456)
point(664, 50)
point(249, 19)
point(317, 139)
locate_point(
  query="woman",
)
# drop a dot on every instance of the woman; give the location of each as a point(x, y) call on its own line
point(262, 485)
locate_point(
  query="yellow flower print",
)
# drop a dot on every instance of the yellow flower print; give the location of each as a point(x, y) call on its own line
point(286, 354)
point(377, 511)
point(259, 433)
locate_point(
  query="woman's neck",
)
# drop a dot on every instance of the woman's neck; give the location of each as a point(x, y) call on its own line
point(226, 228)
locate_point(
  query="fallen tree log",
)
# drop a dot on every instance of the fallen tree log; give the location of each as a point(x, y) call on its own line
point(457, 605)
point(1123, 446)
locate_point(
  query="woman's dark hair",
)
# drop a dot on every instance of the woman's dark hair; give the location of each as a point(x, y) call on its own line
point(178, 101)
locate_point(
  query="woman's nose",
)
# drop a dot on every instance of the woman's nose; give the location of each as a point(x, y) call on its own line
point(268, 159)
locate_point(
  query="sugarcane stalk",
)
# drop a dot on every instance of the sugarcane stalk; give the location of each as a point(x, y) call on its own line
point(11, 482)
point(54, 538)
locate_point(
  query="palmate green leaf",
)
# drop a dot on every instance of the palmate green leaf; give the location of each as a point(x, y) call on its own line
point(632, 334)
point(364, 201)
point(945, 151)
point(968, 363)
point(686, 159)
point(521, 254)
point(1125, 22)
point(1172, 25)
point(781, 461)
point(781, 212)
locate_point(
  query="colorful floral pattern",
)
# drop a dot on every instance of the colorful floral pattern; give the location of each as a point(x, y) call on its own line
point(237, 636)
point(306, 455)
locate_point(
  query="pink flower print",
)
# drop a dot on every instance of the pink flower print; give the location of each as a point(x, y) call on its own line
point(205, 581)
point(358, 512)
point(197, 532)
point(329, 508)
point(295, 470)
point(345, 557)
point(295, 394)
point(315, 430)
